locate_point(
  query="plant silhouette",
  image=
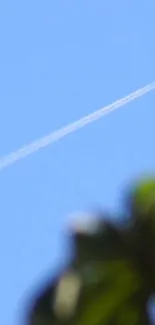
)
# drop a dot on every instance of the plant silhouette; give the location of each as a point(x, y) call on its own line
point(111, 276)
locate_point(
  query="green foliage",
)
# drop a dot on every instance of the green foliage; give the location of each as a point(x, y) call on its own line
point(110, 278)
point(142, 198)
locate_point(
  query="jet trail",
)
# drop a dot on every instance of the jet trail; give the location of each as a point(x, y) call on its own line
point(31, 148)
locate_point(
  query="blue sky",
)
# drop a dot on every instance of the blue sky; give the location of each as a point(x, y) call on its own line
point(60, 60)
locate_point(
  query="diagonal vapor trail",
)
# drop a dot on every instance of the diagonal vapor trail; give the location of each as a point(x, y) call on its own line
point(31, 148)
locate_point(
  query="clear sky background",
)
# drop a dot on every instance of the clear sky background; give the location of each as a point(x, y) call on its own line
point(60, 60)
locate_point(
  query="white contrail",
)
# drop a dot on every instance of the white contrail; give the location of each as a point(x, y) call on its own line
point(59, 134)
